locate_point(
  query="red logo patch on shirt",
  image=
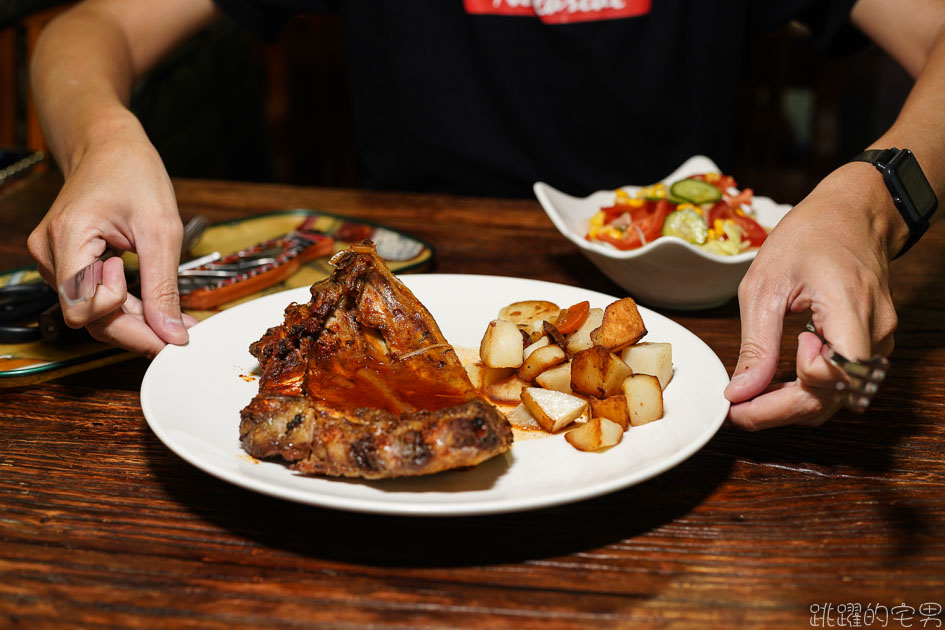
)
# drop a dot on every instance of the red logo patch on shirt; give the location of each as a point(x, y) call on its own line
point(561, 11)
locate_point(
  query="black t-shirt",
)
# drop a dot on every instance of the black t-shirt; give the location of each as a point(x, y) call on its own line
point(488, 96)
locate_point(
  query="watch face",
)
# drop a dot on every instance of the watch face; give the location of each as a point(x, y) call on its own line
point(912, 186)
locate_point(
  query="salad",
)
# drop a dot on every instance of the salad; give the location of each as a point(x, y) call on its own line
point(706, 210)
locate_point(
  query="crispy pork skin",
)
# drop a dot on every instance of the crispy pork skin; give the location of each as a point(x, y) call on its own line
point(360, 382)
point(373, 443)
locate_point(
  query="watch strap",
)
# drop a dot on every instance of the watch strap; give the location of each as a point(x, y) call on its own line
point(876, 157)
point(881, 158)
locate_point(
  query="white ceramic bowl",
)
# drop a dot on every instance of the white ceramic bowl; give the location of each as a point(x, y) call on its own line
point(668, 272)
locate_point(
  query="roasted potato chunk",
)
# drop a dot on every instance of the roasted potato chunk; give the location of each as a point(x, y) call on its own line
point(654, 358)
point(557, 378)
point(541, 360)
point(502, 345)
point(481, 375)
point(580, 339)
point(522, 418)
point(620, 326)
point(644, 398)
point(507, 391)
point(598, 372)
point(595, 434)
point(613, 408)
point(542, 342)
point(523, 314)
point(552, 410)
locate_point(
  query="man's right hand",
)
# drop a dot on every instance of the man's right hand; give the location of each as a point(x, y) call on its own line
point(119, 196)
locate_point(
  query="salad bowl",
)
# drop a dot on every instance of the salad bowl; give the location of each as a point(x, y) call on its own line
point(667, 272)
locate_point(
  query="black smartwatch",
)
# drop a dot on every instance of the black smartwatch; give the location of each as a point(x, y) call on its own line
point(910, 190)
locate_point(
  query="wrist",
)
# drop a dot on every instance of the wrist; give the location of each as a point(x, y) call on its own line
point(116, 126)
point(886, 223)
point(909, 188)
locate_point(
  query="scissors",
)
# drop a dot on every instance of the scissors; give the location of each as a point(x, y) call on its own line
point(20, 308)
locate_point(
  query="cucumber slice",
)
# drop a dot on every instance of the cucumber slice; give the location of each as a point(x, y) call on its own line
point(695, 191)
point(686, 224)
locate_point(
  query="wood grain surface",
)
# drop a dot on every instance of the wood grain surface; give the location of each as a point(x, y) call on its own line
point(101, 526)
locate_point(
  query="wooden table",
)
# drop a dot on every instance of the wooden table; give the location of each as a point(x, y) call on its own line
point(102, 526)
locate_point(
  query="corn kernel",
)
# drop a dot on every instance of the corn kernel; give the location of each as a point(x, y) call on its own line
point(597, 220)
point(636, 203)
point(712, 234)
point(655, 191)
point(739, 212)
point(713, 177)
point(718, 226)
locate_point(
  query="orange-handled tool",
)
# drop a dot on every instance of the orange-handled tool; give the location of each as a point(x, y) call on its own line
point(253, 269)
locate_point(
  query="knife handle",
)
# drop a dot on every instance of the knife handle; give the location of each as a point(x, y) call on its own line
point(53, 327)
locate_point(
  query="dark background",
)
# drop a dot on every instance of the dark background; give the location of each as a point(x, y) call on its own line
point(227, 105)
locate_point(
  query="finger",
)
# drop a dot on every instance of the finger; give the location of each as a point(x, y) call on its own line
point(845, 326)
point(77, 248)
point(133, 306)
point(108, 297)
point(127, 328)
point(38, 245)
point(885, 346)
point(762, 323)
point(813, 369)
point(786, 403)
point(158, 260)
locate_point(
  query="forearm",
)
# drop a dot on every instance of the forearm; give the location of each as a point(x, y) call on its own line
point(920, 125)
point(913, 33)
point(81, 77)
point(87, 60)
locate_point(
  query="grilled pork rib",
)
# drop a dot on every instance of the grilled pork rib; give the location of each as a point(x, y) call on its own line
point(360, 382)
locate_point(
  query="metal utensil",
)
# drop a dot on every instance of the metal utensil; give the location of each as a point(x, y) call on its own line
point(235, 267)
point(865, 377)
point(193, 230)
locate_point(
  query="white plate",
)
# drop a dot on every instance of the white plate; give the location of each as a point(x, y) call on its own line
point(192, 395)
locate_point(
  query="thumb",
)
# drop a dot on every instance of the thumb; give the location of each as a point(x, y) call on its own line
point(762, 325)
point(159, 294)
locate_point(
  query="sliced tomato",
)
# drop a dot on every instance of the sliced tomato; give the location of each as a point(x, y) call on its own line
point(652, 225)
point(571, 318)
point(612, 212)
point(648, 221)
point(754, 235)
point(619, 243)
point(646, 224)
